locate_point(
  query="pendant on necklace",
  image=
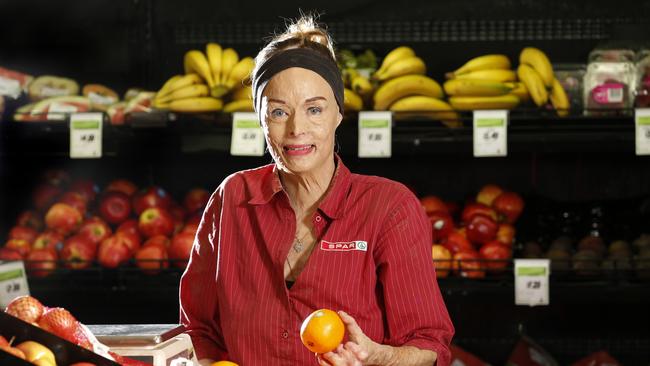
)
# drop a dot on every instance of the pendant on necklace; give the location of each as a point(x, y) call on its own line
point(297, 247)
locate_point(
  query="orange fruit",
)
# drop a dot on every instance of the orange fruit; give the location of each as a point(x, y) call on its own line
point(224, 363)
point(322, 331)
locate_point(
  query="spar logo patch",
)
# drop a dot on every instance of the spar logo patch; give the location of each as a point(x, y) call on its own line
point(344, 246)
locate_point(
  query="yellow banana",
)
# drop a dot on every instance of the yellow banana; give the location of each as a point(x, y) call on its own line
point(559, 99)
point(403, 86)
point(419, 105)
point(245, 93)
point(361, 85)
point(348, 74)
point(394, 55)
point(196, 62)
point(241, 105)
point(351, 100)
point(165, 88)
point(195, 105)
point(190, 91)
point(213, 51)
point(176, 83)
point(534, 84)
point(493, 74)
point(507, 101)
point(240, 72)
point(538, 60)
point(229, 58)
point(405, 66)
point(519, 89)
point(487, 62)
point(478, 88)
point(160, 105)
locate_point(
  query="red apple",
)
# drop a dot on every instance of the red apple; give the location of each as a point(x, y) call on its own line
point(131, 241)
point(488, 193)
point(509, 205)
point(156, 221)
point(180, 249)
point(95, 229)
point(472, 209)
point(506, 234)
point(194, 219)
point(8, 254)
point(151, 259)
point(457, 242)
point(196, 200)
point(26, 308)
point(19, 245)
point(78, 252)
point(496, 255)
point(63, 218)
point(59, 322)
point(432, 204)
point(191, 228)
point(442, 260)
point(149, 198)
point(14, 351)
point(44, 195)
point(82, 340)
point(76, 200)
point(122, 185)
point(41, 262)
point(56, 177)
point(442, 225)
point(481, 229)
point(115, 207)
point(86, 188)
point(113, 252)
point(23, 232)
point(49, 239)
point(30, 219)
point(129, 226)
point(468, 264)
point(157, 240)
point(178, 213)
point(3, 342)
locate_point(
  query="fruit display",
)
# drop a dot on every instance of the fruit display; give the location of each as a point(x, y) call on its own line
point(210, 78)
point(73, 226)
point(609, 83)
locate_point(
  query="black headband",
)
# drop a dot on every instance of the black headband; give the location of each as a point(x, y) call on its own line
point(305, 58)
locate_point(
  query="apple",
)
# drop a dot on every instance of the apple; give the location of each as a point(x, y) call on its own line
point(180, 249)
point(509, 205)
point(156, 221)
point(8, 254)
point(178, 213)
point(472, 209)
point(56, 177)
point(481, 229)
point(150, 197)
point(63, 218)
point(488, 193)
point(78, 252)
point(432, 204)
point(506, 234)
point(151, 259)
point(196, 200)
point(468, 264)
point(14, 351)
point(82, 340)
point(19, 245)
point(49, 239)
point(131, 241)
point(44, 195)
point(86, 188)
point(26, 308)
point(441, 259)
point(41, 262)
point(496, 255)
point(157, 240)
point(194, 219)
point(60, 322)
point(442, 224)
point(23, 232)
point(76, 200)
point(122, 185)
point(115, 207)
point(191, 228)
point(129, 226)
point(113, 252)
point(95, 229)
point(30, 219)
point(3, 342)
point(457, 242)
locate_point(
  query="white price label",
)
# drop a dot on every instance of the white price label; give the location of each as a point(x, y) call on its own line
point(10, 87)
point(57, 111)
point(642, 127)
point(86, 135)
point(490, 133)
point(247, 136)
point(531, 281)
point(13, 282)
point(375, 134)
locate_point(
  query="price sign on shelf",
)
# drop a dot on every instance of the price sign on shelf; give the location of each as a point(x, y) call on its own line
point(13, 282)
point(642, 127)
point(531, 281)
point(375, 139)
point(490, 133)
point(86, 135)
point(247, 136)
point(10, 87)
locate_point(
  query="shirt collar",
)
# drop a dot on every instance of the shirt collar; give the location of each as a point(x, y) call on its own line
point(332, 205)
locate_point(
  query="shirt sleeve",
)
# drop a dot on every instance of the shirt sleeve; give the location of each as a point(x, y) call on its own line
point(415, 311)
point(199, 312)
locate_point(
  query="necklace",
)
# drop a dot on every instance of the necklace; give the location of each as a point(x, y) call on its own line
point(298, 245)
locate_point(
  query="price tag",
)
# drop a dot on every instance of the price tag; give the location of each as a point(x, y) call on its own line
point(13, 282)
point(642, 122)
point(490, 133)
point(375, 135)
point(247, 136)
point(10, 87)
point(86, 135)
point(531, 281)
point(57, 111)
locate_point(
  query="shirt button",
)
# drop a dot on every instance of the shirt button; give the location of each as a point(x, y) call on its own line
point(318, 218)
point(285, 334)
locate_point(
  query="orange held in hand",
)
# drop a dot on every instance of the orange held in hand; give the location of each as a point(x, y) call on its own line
point(224, 363)
point(322, 331)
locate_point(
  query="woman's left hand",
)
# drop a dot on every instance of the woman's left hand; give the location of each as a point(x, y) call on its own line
point(356, 352)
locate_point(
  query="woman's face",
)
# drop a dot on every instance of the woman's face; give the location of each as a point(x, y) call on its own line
point(299, 117)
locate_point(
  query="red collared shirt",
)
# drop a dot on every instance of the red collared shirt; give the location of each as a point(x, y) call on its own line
point(372, 260)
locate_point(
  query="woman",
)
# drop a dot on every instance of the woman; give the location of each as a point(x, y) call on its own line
point(278, 242)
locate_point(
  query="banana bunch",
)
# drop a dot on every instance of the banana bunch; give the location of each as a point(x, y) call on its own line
point(358, 88)
point(186, 93)
point(536, 72)
point(399, 62)
point(484, 82)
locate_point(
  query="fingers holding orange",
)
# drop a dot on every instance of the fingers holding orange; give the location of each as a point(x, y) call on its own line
point(322, 331)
